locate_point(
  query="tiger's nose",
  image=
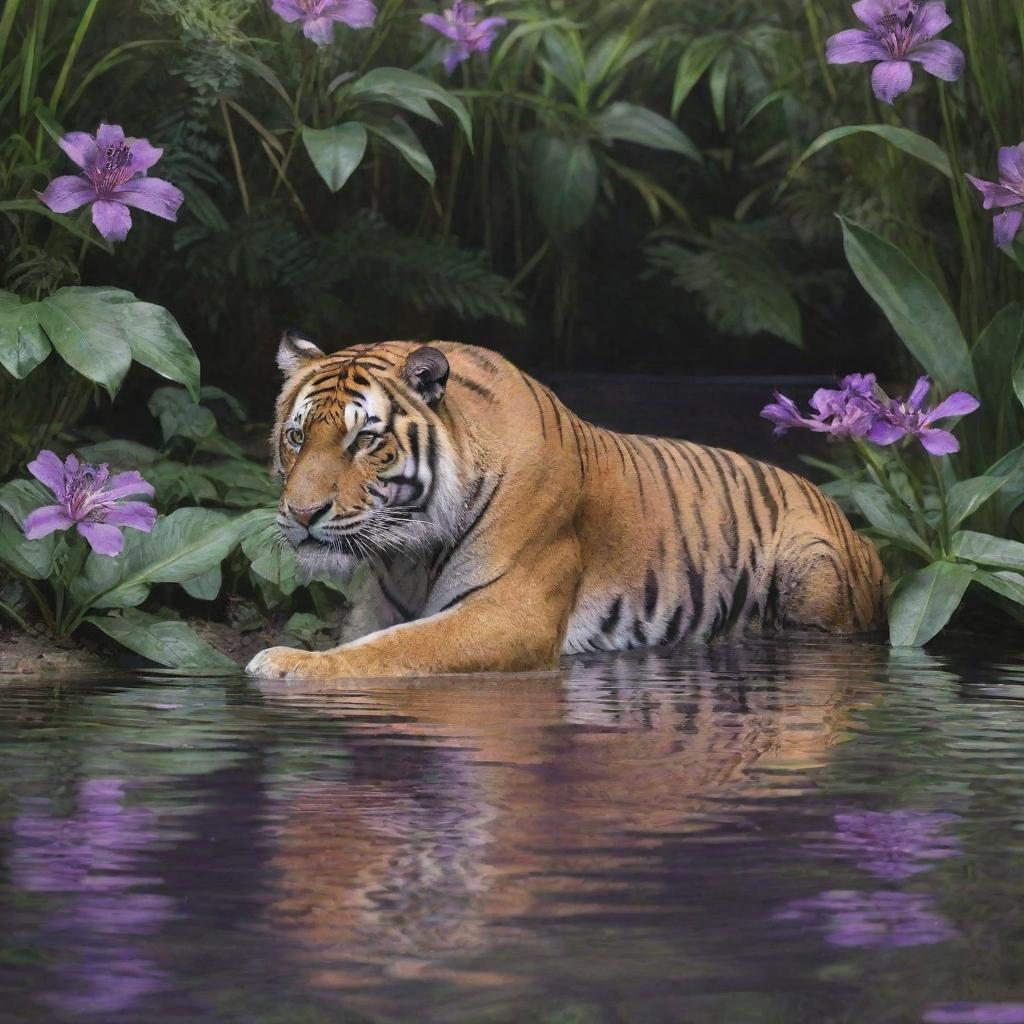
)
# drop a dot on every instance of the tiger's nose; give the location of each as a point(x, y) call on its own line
point(306, 515)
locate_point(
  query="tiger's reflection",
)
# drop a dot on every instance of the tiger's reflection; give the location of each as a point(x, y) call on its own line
point(470, 803)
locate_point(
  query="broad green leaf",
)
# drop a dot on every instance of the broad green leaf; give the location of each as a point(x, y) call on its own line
point(270, 556)
point(336, 152)
point(120, 454)
point(988, 550)
point(967, 496)
point(696, 59)
point(393, 82)
point(913, 305)
point(23, 344)
point(718, 84)
point(1007, 584)
point(178, 484)
point(565, 183)
point(157, 341)
point(404, 139)
point(563, 58)
point(1011, 465)
point(212, 393)
point(630, 123)
point(69, 225)
point(881, 512)
point(994, 356)
point(88, 335)
point(168, 642)
point(901, 138)
point(205, 587)
point(923, 602)
point(180, 415)
point(612, 55)
point(186, 544)
point(31, 558)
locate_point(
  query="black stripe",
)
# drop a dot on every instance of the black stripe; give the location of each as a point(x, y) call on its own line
point(536, 398)
point(650, 592)
point(739, 597)
point(359, 379)
point(398, 406)
point(472, 590)
point(470, 528)
point(730, 527)
point(628, 443)
point(672, 629)
point(638, 633)
point(431, 461)
point(473, 386)
point(767, 498)
point(611, 620)
point(618, 448)
point(667, 477)
point(556, 408)
point(695, 580)
point(480, 358)
point(406, 613)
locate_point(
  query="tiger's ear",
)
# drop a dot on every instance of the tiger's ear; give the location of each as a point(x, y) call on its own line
point(426, 371)
point(295, 350)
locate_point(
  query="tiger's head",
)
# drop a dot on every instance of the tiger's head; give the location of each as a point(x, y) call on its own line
point(366, 460)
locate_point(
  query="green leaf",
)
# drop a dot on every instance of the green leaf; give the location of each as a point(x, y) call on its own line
point(1011, 466)
point(69, 225)
point(718, 84)
point(404, 139)
point(967, 496)
point(563, 58)
point(168, 642)
point(186, 544)
point(336, 152)
point(23, 344)
point(630, 123)
point(565, 183)
point(994, 355)
point(88, 335)
point(902, 139)
point(270, 556)
point(913, 305)
point(31, 558)
point(1006, 584)
point(177, 484)
point(212, 393)
point(881, 512)
point(120, 454)
point(696, 59)
point(397, 82)
point(205, 587)
point(988, 550)
point(180, 415)
point(923, 602)
point(157, 341)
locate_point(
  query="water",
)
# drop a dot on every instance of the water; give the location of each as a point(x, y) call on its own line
point(756, 832)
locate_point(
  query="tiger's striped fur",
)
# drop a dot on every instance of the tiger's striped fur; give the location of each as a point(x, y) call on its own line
point(503, 531)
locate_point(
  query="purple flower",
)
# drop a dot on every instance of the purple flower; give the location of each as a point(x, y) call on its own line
point(1006, 195)
point(905, 416)
point(898, 32)
point(850, 411)
point(891, 844)
point(114, 178)
point(880, 919)
point(318, 16)
point(469, 34)
point(91, 499)
point(975, 1013)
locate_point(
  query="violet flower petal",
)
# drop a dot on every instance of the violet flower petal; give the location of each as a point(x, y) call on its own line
point(287, 9)
point(67, 193)
point(960, 403)
point(1006, 225)
point(136, 514)
point(931, 19)
point(113, 220)
point(43, 521)
point(354, 13)
point(975, 1013)
point(103, 539)
point(319, 30)
point(917, 397)
point(854, 46)
point(996, 195)
point(884, 433)
point(154, 195)
point(128, 484)
point(143, 155)
point(81, 147)
point(457, 53)
point(442, 25)
point(938, 442)
point(1011, 167)
point(108, 136)
point(48, 469)
point(870, 12)
point(939, 58)
point(891, 78)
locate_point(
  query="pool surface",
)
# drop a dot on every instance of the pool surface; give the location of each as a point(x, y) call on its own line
point(760, 831)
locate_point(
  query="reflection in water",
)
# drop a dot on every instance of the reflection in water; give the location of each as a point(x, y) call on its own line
point(88, 861)
point(760, 832)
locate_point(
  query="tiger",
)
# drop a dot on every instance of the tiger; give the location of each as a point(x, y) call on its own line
point(500, 532)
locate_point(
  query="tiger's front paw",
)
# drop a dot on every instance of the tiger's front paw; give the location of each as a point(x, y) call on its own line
point(282, 663)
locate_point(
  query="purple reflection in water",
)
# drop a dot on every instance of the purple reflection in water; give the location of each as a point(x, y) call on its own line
point(975, 1013)
point(92, 857)
point(882, 918)
point(891, 844)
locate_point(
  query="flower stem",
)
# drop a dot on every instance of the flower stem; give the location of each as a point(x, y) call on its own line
point(944, 538)
point(44, 608)
point(11, 613)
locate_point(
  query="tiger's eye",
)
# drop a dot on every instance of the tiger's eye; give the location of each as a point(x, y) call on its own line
point(364, 440)
point(294, 436)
